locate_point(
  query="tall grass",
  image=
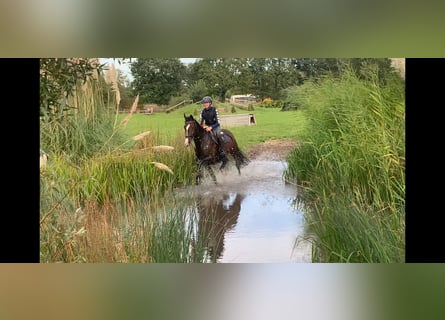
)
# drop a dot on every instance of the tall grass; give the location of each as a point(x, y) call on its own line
point(84, 129)
point(99, 187)
point(172, 238)
point(351, 166)
point(123, 231)
point(71, 196)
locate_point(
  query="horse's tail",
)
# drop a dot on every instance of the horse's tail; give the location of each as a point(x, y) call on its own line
point(237, 154)
point(241, 158)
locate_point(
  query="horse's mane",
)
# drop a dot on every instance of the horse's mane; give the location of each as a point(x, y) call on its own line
point(191, 118)
point(200, 128)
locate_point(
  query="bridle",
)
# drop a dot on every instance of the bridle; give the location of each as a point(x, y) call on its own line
point(188, 137)
point(187, 126)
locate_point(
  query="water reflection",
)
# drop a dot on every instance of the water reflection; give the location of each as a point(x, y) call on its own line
point(216, 216)
point(251, 217)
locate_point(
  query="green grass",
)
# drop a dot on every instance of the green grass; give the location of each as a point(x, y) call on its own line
point(271, 123)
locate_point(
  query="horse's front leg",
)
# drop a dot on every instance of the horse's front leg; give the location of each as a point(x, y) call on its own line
point(212, 174)
point(223, 164)
point(198, 173)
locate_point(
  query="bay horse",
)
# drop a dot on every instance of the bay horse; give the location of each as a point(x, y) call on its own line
point(206, 148)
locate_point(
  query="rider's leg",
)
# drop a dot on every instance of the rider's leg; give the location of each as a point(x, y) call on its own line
point(220, 139)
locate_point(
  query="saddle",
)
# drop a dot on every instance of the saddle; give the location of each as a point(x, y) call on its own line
point(215, 138)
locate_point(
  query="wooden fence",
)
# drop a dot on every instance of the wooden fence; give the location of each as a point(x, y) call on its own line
point(180, 104)
point(246, 119)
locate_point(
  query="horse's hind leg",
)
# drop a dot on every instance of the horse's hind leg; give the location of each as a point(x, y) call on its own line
point(240, 160)
point(238, 166)
point(237, 163)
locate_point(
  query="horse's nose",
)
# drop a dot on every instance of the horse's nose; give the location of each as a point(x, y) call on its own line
point(186, 142)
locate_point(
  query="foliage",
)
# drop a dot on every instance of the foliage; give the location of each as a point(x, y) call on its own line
point(86, 124)
point(198, 90)
point(272, 104)
point(58, 79)
point(218, 75)
point(156, 80)
point(126, 94)
point(174, 100)
point(351, 165)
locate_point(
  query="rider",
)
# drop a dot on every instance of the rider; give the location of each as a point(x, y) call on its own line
point(209, 119)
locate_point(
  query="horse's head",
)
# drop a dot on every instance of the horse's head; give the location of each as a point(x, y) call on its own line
point(190, 128)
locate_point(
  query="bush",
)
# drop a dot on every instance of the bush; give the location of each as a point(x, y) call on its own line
point(272, 104)
point(289, 106)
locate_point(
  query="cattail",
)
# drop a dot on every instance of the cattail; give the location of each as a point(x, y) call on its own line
point(162, 148)
point(115, 84)
point(43, 160)
point(141, 135)
point(162, 167)
point(399, 65)
point(111, 79)
point(132, 110)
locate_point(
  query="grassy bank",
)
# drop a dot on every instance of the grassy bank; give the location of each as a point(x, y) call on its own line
point(351, 168)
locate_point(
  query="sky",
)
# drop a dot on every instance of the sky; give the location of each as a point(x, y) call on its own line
point(125, 67)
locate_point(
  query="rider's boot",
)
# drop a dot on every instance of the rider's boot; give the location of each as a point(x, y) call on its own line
point(222, 153)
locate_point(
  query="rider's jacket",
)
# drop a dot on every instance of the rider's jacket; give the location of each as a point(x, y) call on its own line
point(209, 117)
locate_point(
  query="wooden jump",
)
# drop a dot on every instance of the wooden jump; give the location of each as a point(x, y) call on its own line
point(147, 110)
point(235, 120)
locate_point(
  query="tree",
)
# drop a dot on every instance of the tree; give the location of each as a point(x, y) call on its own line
point(272, 75)
point(218, 74)
point(244, 81)
point(58, 78)
point(156, 80)
point(197, 90)
point(258, 68)
point(126, 94)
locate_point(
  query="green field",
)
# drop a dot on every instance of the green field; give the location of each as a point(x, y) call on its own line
point(271, 123)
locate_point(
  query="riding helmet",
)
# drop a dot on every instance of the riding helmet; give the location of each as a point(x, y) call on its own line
point(206, 99)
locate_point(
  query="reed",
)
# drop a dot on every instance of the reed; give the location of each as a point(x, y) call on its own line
point(132, 110)
point(126, 231)
point(352, 167)
point(84, 129)
point(97, 187)
point(85, 208)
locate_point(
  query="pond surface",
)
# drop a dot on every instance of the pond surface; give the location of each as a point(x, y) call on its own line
point(250, 217)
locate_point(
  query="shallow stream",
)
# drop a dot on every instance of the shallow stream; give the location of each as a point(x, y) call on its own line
point(252, 217)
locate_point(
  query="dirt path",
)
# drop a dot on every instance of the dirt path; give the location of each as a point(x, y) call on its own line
point(271, 150)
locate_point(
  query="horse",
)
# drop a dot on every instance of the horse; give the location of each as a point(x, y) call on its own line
point(206, 148)
point(216, 217)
